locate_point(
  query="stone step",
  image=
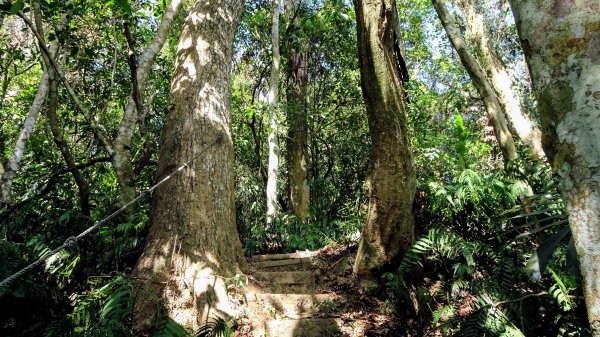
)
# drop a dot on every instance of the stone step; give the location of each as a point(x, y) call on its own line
point(282, 262)
point(297, 328)
point(286, 282)
point(296, 255)
point(291, 305)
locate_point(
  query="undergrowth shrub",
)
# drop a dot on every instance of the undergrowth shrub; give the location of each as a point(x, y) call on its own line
point(470, 272)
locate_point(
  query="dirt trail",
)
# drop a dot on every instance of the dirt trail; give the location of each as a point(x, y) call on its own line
point(308, 294)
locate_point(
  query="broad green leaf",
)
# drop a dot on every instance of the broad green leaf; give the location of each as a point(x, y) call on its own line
point(17, 6)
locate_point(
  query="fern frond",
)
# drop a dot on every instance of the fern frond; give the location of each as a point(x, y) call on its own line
point(560, 292)
point(167, 327)
point(474, 325)
point(414, 253)
point(119, 302)
point(215, 328)
point(442, 244)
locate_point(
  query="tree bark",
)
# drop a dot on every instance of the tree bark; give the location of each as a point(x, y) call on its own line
point(481, 83)
point(297, 141)
point(52, 107)
point(520, 121)
point(121, 159)
point(273, 139)
point(82, 184)
point(389, 228)
point(561, 40)
point(13, 162)
point(193, 241)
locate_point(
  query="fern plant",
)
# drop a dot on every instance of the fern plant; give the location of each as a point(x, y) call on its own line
point(167, 327)
point(100, 311)
point(441, 245)
point(217, 327)
point(479, 289)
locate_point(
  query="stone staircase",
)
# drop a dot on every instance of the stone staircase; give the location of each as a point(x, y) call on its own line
point(284, 299)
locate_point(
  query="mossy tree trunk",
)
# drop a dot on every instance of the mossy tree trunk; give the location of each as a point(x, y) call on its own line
point(193, 241)
point(561, 40)
point(389, 229)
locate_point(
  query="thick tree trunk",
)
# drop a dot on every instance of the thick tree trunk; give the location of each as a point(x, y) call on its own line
point(520, 121)
point(481, 83)
point(273, 139)
point(389, 229)
point(561, 40)
point(297, 141)
point(193, 241)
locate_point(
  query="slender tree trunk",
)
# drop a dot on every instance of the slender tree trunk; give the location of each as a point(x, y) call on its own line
point(121, 159)
point(52, 107)
point(297, 141)
point(561, 40)
point(96, 128)
point(82, 184)
point(389, 230)
point(193, 241)
point(273, 139)
point(13, 162)
point(481, 83)
point(520, 121)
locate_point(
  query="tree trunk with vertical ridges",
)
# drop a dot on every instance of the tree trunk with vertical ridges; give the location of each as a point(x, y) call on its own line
point(193, 242)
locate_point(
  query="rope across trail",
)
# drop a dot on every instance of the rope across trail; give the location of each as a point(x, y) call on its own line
point(73, 239)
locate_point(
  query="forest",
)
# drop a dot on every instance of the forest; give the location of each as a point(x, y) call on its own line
point(299, 168)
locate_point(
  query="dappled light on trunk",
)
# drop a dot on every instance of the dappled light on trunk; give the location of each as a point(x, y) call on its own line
point(193, 243)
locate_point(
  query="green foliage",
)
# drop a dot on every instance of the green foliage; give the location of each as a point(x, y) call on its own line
point(478, 221)
point(326, 306)
point(465, 202)
point(167, 327)
point(337, 160)
point(215, 328)
point(461, 143)
point(441, 245)
point(469, 267)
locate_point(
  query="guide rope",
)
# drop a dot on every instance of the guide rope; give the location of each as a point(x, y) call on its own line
point(73, 239)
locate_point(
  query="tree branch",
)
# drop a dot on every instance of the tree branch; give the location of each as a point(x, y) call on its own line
point(96, 128)
point(52, 178)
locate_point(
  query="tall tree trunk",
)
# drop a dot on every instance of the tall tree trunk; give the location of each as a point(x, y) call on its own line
point(297, 141)
point(481, 83)
point(273, 139)
point(389, 229)
point(193, 241)
point(522, 124)
point(561, 40)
